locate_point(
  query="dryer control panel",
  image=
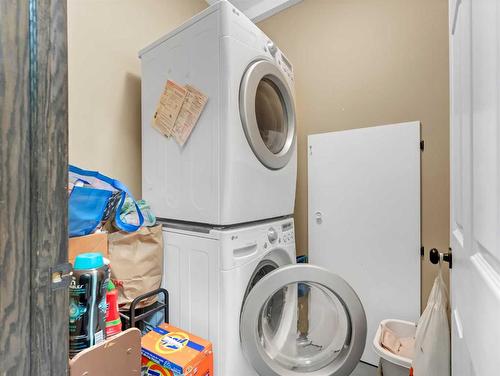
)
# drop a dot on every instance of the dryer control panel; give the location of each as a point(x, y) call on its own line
point(283, 63)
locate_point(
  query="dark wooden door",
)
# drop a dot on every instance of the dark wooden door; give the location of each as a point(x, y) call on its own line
point(33, 179)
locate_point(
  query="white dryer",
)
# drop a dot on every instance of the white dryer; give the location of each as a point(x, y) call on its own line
point(265, 315)
point(239, 164)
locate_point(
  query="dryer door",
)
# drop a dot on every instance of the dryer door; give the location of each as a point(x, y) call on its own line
point(267, 113)
point(302, 320)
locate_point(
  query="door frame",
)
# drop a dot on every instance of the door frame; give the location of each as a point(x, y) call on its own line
point(33, 186)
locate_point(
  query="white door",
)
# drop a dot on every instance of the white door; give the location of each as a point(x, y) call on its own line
point(364, 217)
point(475, 186)
point(327, 340)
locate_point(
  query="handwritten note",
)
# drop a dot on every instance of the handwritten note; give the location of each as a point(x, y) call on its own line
point(169, 107)
point(178, 111)
point(190, 112)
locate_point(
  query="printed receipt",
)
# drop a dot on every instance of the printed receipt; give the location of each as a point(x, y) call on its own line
point(169, 107)
point(192, 107)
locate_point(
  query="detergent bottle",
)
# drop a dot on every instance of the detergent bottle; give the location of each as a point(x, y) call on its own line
point(87, 302)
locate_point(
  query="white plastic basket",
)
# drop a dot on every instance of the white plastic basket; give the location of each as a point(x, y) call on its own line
point(392, 364)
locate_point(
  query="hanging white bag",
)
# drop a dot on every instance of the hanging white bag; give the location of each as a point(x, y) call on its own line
point(432, 339)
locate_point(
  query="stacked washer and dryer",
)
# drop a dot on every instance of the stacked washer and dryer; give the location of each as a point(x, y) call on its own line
point(226, 200)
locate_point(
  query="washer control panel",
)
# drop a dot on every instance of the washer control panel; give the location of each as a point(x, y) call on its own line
point(241, 244)
point(288, 232)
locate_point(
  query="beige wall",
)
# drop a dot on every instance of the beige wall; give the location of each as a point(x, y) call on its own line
point(358, 63)
point(361, 63)
point(104, 37)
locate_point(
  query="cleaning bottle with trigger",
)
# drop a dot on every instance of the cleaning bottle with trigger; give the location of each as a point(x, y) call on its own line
point(113, 322)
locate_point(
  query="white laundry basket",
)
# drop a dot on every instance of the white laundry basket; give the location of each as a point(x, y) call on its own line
point(392, 364)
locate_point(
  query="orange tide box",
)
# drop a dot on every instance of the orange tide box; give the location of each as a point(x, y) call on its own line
point(170, 351)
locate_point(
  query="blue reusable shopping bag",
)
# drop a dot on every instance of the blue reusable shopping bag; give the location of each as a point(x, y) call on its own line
point(86, 209)
point(89, 203)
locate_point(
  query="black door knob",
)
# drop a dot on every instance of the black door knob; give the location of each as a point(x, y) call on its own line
point(435, 256)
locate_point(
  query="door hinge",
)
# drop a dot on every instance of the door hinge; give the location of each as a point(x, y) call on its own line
point(61, 276)
point(422, 145)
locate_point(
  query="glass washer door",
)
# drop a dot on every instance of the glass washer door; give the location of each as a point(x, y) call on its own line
point(267, 113)
point(302, 320)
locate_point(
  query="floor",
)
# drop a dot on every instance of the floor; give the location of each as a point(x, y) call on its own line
point(364, 369)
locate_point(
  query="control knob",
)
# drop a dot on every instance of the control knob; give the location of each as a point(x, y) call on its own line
point(272, 48)
point(272, 235)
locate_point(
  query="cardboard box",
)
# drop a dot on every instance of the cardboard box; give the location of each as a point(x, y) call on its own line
point(167, 350)
point(97, 242)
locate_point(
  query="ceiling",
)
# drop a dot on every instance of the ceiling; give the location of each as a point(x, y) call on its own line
point(258, 10)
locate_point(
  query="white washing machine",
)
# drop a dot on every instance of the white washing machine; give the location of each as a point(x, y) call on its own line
point(265, 315)
point(239, 164)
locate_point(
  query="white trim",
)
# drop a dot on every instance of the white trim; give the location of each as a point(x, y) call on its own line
point(259, 10)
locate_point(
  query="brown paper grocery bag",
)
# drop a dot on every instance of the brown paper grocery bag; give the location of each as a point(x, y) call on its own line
point(96, 242)
point(136, 263)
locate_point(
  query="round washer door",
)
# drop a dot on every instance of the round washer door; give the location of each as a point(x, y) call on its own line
point(267, 113)
point(303, 320)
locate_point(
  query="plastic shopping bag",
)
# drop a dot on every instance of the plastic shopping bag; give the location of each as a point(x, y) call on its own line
point(432, 339)
point(129, 213)
point(92, 201)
